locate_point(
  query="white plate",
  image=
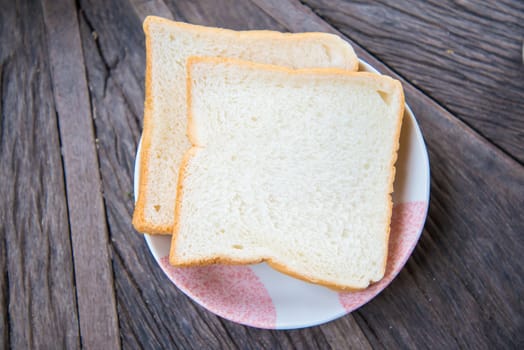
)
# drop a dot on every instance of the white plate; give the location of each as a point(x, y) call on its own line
point(259, 296)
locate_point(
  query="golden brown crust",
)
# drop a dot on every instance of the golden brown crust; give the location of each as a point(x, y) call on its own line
point(274, 264)
point(139, 221)
point(285, 270)
point(191, 129)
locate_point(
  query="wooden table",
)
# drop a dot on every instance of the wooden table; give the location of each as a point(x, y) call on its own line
point(76, 274)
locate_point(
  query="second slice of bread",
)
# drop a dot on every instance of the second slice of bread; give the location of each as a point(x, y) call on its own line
point(168, 45)
point(292, 167)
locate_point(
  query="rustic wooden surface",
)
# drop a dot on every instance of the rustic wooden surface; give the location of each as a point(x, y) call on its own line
point(71, 99)
point(93, 273)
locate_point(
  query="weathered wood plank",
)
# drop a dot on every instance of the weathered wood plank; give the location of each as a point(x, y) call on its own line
point(466, 55)
point(93, 271)
point(463, 284)
point(37, 297)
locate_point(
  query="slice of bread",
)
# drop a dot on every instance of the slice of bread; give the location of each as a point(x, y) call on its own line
point(164, 141)
point(292, 167)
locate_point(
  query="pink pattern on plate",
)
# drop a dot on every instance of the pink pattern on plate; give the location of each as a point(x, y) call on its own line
point(231, 291)
point(406, 224)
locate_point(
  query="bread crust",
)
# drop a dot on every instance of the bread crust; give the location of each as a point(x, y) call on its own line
point(277, 265)
point(139, 221)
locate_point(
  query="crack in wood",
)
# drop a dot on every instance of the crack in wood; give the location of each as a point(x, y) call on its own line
point(132, 283)
point(108, 67)
point(59, 136)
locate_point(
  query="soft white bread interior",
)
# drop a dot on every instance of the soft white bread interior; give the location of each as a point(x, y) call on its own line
point(164, 141)
point(292, 167)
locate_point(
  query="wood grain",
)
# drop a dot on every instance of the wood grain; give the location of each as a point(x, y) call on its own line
point(93, 271)
point(38, 306)
point(231, 14)
point(466, 55)
point(463, 271)
point(144, 8)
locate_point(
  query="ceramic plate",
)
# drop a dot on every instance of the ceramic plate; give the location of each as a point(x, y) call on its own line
point(259, 296)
